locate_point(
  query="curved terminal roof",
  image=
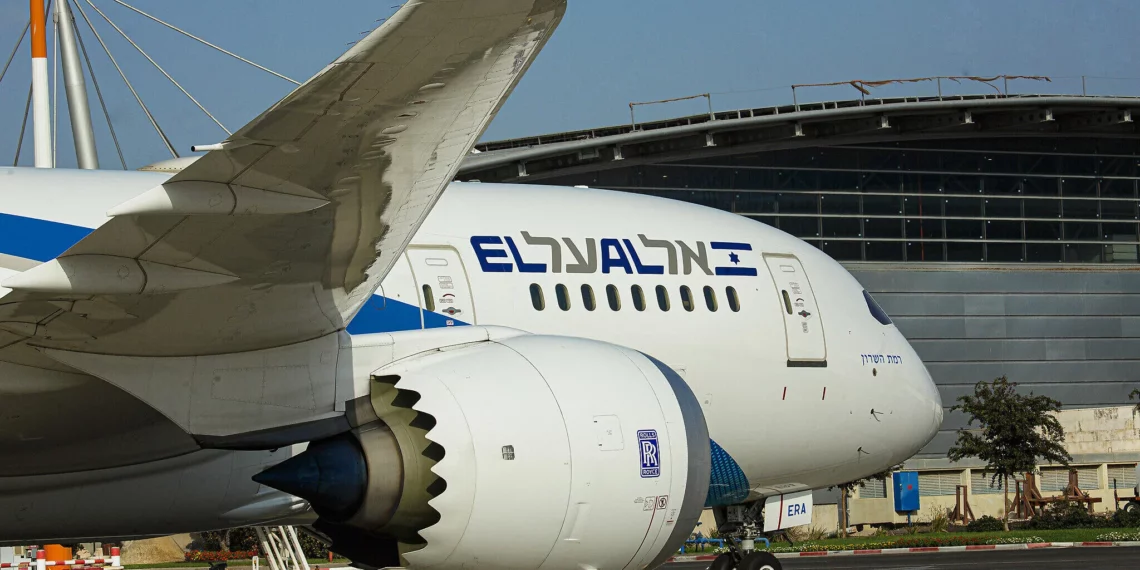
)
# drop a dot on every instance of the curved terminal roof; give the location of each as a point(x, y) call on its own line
point(803, 125)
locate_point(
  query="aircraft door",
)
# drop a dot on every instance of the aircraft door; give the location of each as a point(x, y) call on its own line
point(803, 324)
point(444, 291)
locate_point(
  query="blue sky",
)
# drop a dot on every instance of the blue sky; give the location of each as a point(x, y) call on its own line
point(606, 54)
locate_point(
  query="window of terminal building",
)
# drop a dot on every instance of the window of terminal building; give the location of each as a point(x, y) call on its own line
point(1042, 209)
point(1084, 253)
point(873, 489)
point(965, 251)
point(938, 483)
point(754, 203)
point(842, 227)
point(801, 227)
point(980, 483)
point(1118, 209)
point(1005, 252)
point(922, 251)
point(884, 251)
point(1010, 201)
point(883, 205)
point(1123, 475)
point(797, 203)
point(883, 228)
point(842, 250)
point(1057, 478)
point(1043, 252)
point(1007, 208)
point(848, 204)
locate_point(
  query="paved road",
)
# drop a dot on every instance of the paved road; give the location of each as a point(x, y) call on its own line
point(1048, 558)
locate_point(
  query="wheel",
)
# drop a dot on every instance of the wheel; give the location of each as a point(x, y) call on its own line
point(760, 561)
point(723, 562)
point(1133, 507)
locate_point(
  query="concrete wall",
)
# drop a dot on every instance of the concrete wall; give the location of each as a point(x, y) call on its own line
point(1109, 433)
point(1069, 332)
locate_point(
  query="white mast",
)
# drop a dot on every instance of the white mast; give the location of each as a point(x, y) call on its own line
point(85, 153)
point(41, 116)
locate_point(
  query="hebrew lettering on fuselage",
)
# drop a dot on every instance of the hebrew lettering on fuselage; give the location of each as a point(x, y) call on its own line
point(881, 359)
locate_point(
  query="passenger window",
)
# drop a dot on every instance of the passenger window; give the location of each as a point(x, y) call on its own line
point(686, 298)
point(663, 297)
point(733, 300)
point(429, 298)
point(536, 297)
point(588, 298)
point(563, 295)
point(787, 301)
point(638, 297)
point(710, 298)
point(612, 295)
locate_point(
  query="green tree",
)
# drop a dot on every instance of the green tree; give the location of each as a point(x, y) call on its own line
point(1014, 431)
point(845, 490)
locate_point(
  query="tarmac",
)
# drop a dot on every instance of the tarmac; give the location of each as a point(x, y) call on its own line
point(1048, 558)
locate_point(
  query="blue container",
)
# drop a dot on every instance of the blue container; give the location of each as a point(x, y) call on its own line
point(906, 491)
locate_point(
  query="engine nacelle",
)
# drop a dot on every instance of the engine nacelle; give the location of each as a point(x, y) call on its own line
point(526, 452)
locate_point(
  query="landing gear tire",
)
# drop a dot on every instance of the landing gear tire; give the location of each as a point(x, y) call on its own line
point(759, 561)
point(723, 562)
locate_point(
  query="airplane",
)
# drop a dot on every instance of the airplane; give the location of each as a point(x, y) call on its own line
point(311, 324)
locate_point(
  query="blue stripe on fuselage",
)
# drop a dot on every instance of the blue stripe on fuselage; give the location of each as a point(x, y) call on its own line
point(383, 315)
point(45, 240)
point(35, 239)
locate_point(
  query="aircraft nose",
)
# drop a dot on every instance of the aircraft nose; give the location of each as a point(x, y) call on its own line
point(928, 411)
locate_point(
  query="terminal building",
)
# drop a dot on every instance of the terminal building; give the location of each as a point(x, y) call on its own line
point(1000, 233)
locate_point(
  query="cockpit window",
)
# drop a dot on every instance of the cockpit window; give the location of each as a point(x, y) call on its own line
point(876, 311)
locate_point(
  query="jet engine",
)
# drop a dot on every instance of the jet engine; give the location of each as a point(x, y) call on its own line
point(525, 452)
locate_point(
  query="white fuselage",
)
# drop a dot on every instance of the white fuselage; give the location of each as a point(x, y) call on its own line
point(801, 386)
point(768, 400)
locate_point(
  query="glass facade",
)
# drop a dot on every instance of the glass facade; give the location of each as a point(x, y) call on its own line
point(1002, 200)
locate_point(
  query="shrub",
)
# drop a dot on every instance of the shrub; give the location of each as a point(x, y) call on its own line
point(1065, 515)
point(939, 520)
point(817, 533)
point(1126, 519)
point(219, 556)
point(245, 539)
point(984, 524)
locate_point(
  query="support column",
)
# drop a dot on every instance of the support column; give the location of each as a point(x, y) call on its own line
point(41, 102)
point(76, 85)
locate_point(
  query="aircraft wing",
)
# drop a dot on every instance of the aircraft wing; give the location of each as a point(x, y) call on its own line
point(285, 230)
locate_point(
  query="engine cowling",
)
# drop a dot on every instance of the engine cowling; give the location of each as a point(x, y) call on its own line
point(525, 452)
